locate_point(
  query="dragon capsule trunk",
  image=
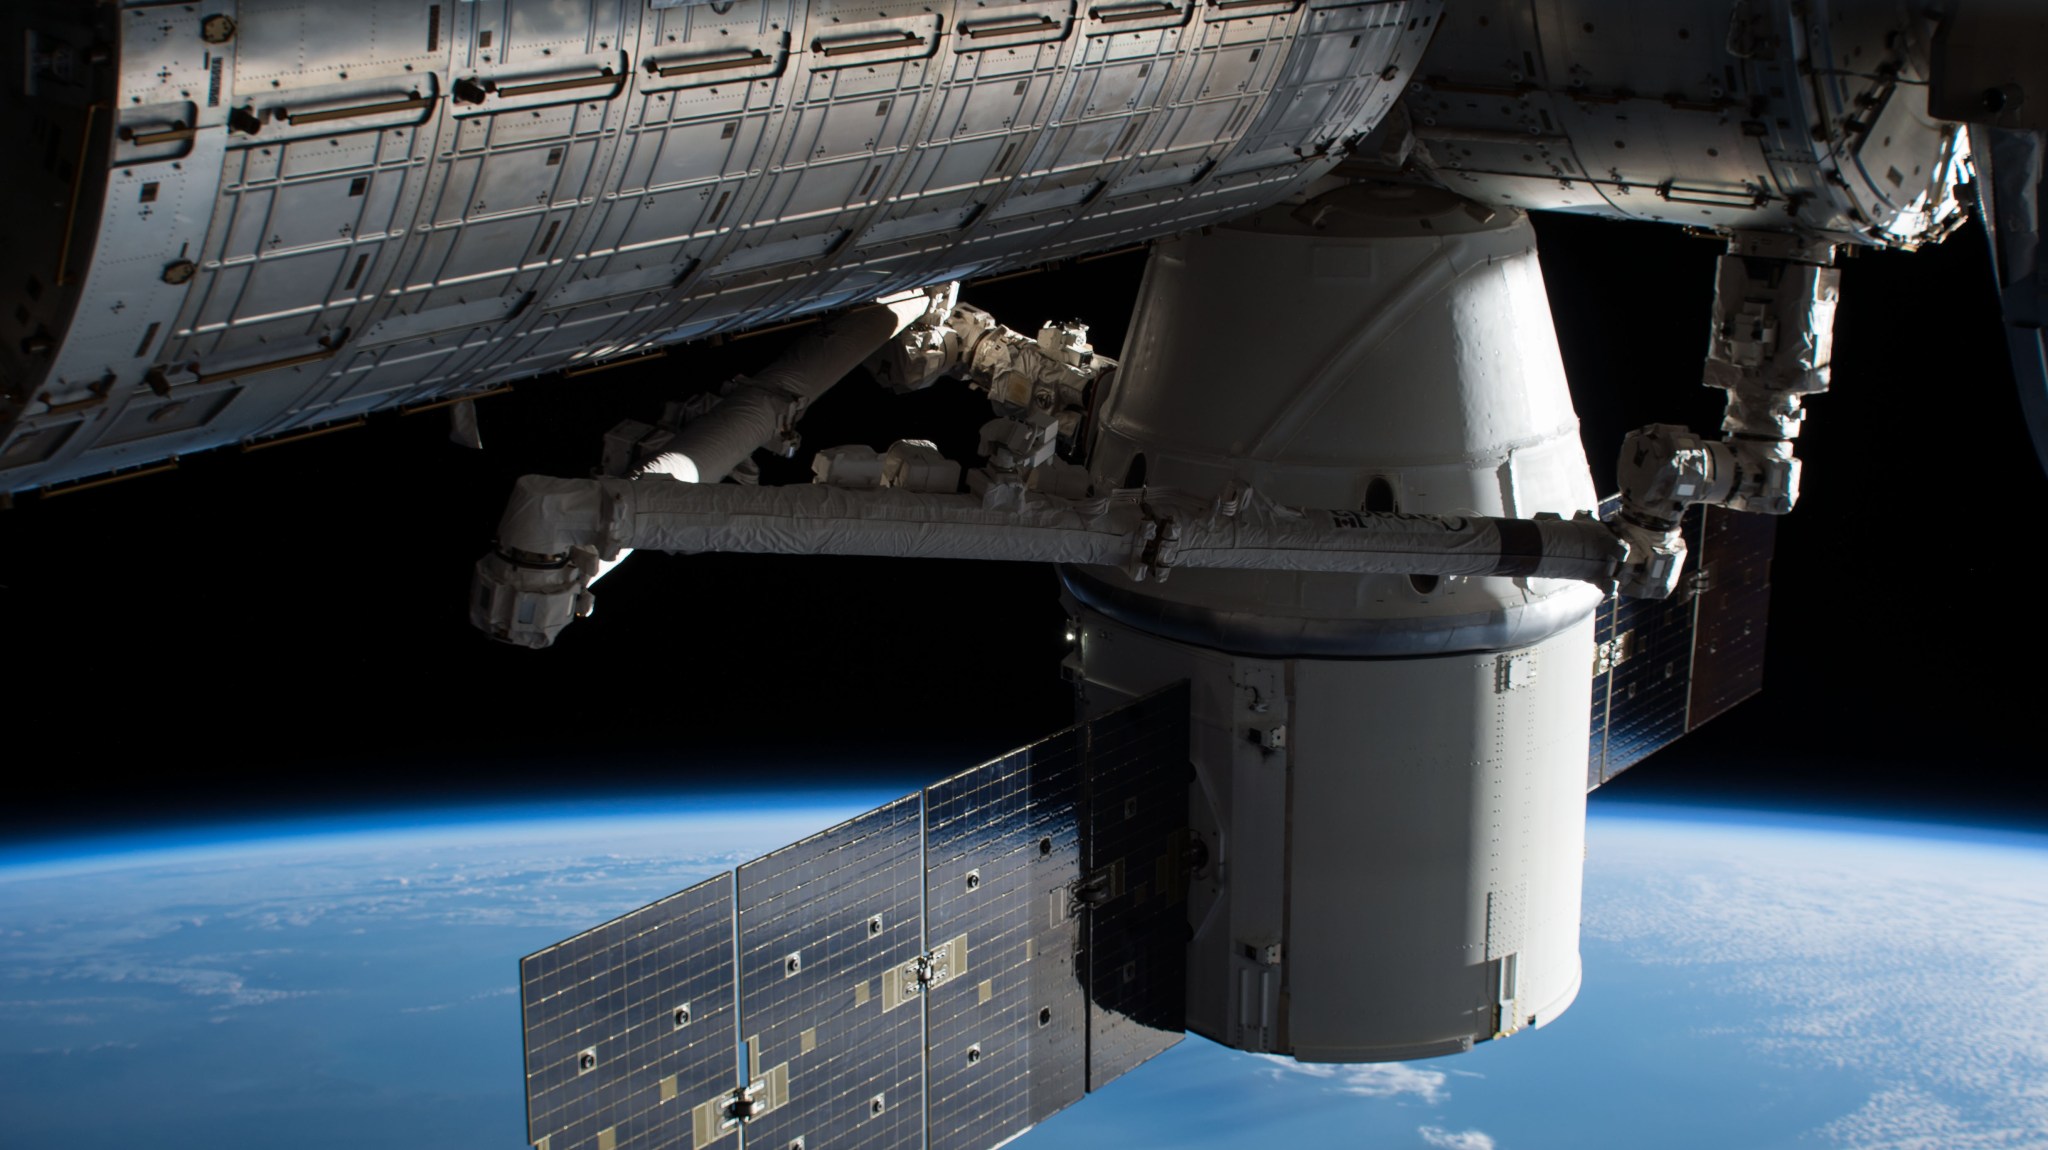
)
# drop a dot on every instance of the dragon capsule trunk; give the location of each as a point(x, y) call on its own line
point(1391, 770)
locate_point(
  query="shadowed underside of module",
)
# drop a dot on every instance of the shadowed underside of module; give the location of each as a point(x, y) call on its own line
point(946, 970)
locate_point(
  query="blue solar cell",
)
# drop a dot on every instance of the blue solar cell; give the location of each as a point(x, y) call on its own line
point(1734, 609)
point(1673, 664)
point(630, 1024)
point(822, 923)
point(945, 971)
point(1007, 1042)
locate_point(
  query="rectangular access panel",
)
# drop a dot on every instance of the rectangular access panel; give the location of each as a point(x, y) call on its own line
point(826, 927)
point(1664, 667)
point(1007, 1034)
point(631, 1023)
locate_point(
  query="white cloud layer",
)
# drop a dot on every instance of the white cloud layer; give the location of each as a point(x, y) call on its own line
point(1393, 1080)
point(1917, 965)
point(1369, 1080)
point(1456, 1139)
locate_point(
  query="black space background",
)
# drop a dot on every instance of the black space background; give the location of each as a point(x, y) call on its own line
point(284, 631)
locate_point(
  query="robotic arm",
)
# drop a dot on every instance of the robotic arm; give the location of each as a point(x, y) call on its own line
point(1774, 315)
point(1038, 386)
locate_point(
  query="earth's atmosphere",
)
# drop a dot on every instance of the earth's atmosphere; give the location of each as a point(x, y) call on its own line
point(1750, 981)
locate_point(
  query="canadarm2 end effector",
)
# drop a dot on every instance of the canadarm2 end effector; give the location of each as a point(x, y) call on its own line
point(1771, 345)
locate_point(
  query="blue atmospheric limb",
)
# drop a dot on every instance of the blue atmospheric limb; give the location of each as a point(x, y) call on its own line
point(1751, 980)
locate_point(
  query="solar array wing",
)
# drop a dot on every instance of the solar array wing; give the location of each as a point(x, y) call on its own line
point(1603, 681)
point(1664, 667)
point(1652, 677)
point(825, 927)
point(1651, 660)
point(631, 1022)
point(1007, 1037)
point(1734, 606)
point(1134, 851)
point(947, 970)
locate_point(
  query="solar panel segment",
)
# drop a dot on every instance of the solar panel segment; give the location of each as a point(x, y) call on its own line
point(627, 1019)
point(947, 970)
point(1734, 608)
point(821, 924)
point(1007, 1041)
point(1665, 667)
point(1136, 884)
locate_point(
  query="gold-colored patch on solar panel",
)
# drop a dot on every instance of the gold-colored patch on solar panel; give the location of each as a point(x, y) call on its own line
point(1030, 949)
point(707, 1122)
point(771, 1090)
point(608, 1138)
point(807, 1041)
point(668, 1089)
point(988, 989)
point(543, 1143)
point(861, 993)
point(949, 960)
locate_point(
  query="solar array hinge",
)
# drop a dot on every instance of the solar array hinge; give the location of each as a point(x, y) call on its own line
point(936, 967)
point(721, 1115)
point(1095, 889)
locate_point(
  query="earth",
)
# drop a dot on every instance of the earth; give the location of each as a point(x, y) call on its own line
point(1751, 981)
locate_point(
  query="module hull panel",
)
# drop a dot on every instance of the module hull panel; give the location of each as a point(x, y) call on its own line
point(325, 211)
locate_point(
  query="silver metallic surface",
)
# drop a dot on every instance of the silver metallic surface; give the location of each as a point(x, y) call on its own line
point(336, 209)
point(557, 535)
point(1753, 114)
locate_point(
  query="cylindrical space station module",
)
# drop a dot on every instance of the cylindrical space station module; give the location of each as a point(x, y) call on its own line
point(276, 216)
point(1390, 769)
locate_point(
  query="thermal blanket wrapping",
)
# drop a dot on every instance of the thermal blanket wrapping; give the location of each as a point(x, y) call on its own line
point(1141, 529)
point(757, 412)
